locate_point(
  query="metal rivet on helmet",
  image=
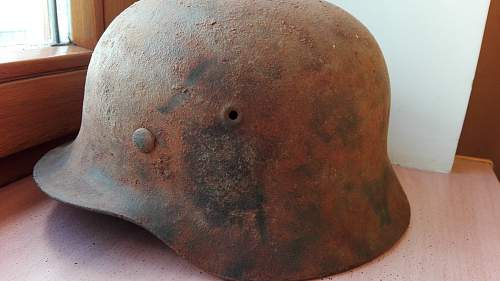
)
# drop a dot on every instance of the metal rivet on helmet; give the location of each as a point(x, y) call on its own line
point(143, 140)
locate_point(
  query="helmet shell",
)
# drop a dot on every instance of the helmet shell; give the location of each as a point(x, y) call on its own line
point(249, 136)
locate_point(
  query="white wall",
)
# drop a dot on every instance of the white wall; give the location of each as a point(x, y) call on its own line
point(431, 48)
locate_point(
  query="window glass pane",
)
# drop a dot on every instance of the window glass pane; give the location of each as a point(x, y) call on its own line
point(63, 20)
point(26, 24)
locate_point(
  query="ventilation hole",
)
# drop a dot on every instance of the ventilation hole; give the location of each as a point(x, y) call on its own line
point(233, 115)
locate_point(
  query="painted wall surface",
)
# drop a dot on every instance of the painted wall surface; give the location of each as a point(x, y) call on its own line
point(431, 48)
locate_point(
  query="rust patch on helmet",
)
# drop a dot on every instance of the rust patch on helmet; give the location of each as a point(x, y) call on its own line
point(197, 72)
point(238, 269)
point(223, 166)
point(376, 191)
point(174, 101)
point(345, 115)
point(308, 228)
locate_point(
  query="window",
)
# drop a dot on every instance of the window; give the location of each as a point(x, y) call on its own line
point(28, 24)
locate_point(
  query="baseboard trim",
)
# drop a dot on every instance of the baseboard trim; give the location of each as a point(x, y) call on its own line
point(475, 159)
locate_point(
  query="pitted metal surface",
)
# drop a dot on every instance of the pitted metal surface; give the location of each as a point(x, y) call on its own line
point(249, 136)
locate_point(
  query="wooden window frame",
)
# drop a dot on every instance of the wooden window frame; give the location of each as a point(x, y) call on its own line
point(40, 62)
point(91, 17)
point(41, 91)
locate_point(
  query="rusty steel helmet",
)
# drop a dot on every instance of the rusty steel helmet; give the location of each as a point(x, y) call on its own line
point(249, 136)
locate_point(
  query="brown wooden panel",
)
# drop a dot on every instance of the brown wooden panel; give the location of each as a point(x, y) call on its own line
point(87, 22)
point(40, 53)
point(113, 8)
point(481, 132)
point(33, 111)
point(38, 62)
point(19, 165)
